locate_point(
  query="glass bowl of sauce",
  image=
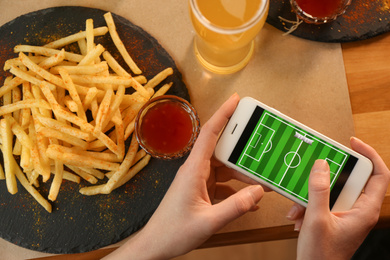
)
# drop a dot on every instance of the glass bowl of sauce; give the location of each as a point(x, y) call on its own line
point(319, 11)
point(166, 127)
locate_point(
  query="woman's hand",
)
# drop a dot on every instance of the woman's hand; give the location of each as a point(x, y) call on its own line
point(337, 235)
point(187, 216)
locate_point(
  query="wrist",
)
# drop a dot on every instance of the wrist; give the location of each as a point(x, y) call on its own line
point(139, 247)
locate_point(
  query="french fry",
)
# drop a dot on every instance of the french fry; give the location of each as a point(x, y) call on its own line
point(26, 113)
point(23, 76)
point(105, 156)
point(9, 85)
point(140, 154)
point(89, 35)
point(70, 177)
point(108, 142)
point(63, 127)
point(66, 175)
point(56, 184)
point(19, 132)
point(53, 60)
point(37, 196)
point(114, 80)
point(114, 107)
point(164, 89)
point(120, 132)
point(35, 158)
point(159, 78)
point(25, 159)
point(23, 104)
point(40, 71)
point(123, 168)
point(129, 129)
point(92, 190)
point(7, 97)
point(82, 43)
point(82, 70)
point(92, 55)
point(16, 62)
point(47, 52)
point(42, 143)
point(70, 104)
point(16, 96)
point(119, 44)
point(91, 94)
point(114, 65)
point(83, 174)
point(98, 174)
point(79, 160)
point(94, 107)
point(75, 37)
point(133, 171)
point(52, 133)
point(103, 110)
point(73, 93)
point(9, 167)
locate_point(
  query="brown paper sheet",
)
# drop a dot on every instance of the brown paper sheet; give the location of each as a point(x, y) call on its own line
point(304, 79)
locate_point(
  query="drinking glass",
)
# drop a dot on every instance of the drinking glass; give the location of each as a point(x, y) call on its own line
point(225, 32)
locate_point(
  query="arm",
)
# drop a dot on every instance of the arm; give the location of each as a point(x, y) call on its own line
point(337, 235)
point(187, 216)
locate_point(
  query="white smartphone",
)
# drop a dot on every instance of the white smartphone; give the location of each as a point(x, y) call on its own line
point(279, 152)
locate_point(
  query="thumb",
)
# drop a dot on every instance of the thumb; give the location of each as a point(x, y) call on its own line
point(319, 188)
point(237, 204)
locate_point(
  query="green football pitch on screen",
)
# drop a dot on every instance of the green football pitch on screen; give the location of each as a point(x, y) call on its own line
point(283, 155)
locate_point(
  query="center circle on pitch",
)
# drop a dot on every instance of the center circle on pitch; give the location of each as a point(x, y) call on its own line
point(292, 159)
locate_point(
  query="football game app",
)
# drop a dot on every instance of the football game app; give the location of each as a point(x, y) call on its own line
point(283, 154)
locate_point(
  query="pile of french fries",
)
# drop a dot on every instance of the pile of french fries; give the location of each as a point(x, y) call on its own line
point(66, 116)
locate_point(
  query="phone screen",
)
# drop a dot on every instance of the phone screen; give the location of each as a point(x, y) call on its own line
point(283, 154)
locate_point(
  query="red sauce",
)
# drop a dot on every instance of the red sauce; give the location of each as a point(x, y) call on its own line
point(166, 128)
point(320, 8)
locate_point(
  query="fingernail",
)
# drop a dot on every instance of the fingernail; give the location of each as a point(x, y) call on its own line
point(257, 193)
point(355, 139)
point(297, 228)
point(235, 96)
point(320, 166)
point(292, 213)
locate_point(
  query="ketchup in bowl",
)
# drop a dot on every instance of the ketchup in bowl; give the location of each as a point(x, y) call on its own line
point(319, 11)
point(167, 127)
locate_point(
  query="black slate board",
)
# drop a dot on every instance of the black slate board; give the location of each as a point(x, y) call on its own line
point(362, 20)
point(80, 223)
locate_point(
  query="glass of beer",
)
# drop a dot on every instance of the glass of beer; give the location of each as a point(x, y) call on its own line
point(225, 32)
point(319, 11)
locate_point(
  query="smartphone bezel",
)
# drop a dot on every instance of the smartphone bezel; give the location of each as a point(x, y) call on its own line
point(237, 124)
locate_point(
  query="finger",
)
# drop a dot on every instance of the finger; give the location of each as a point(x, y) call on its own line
point(298, 224)
point(296, 212)
point(377, 184)
point(236, 205)
point(319, 190)
point(204, 146)
point(379, 181)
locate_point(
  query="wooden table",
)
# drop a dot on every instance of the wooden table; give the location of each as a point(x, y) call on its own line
point(368, 74)
point(367, 66)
